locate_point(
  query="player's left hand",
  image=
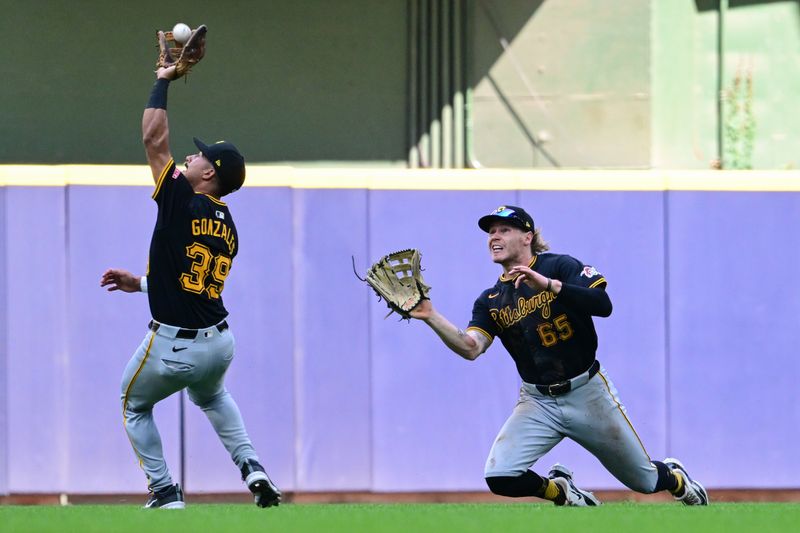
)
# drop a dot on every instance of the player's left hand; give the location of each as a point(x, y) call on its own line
point(422, 311)
point(166, 72)
point(120, 280)
point(532, 279)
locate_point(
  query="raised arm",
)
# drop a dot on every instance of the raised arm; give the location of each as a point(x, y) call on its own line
point(593, 301)
point(155, 128)
point(467, 344)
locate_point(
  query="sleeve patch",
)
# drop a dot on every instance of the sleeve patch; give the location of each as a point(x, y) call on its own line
point(590, 272)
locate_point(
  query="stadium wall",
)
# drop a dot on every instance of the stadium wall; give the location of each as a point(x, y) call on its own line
point(517, 83)
point(701, 344)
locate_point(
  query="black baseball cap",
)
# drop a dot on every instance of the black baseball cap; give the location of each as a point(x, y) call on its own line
point(228, 163)
point(509, 214)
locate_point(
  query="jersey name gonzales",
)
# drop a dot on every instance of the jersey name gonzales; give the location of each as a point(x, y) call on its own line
point(214, 228)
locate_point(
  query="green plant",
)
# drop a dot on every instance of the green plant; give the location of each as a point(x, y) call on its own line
point(739, 125)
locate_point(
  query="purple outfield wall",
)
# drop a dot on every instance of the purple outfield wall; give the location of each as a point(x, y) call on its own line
point(3, 348)
point(702, 344)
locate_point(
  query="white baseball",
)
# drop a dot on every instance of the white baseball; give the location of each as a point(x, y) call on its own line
point(181, 32)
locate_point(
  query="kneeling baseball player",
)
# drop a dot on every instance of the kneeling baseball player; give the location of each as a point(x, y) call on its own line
point(189, 344)
point(541, 308)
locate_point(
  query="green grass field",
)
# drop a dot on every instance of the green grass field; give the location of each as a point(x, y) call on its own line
point(504, 518)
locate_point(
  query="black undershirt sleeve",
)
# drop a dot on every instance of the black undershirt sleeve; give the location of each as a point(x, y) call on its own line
point(592, 301)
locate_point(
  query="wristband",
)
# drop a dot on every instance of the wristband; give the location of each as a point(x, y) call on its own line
point(158, 94)
point(143, 284)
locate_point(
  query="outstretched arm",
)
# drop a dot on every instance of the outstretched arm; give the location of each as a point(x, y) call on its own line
point(155, 128)
point(467, 344)
point(121, 280)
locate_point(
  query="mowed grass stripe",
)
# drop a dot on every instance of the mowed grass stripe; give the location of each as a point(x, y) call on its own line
point(379, 518)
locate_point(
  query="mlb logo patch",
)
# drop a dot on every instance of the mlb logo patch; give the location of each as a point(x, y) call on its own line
point(176, 173)
point(220, 214)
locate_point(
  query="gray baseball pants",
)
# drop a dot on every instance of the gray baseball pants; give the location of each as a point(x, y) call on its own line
point(591, 414)
point(164, 364)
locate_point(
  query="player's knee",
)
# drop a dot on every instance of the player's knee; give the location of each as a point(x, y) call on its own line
point(643, 486)
point(503, 485)
point(205, 401)
point(645, 478)
point(199, 401)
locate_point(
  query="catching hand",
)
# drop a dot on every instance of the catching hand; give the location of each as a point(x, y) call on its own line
point(532, 279)
point(182, 56)
point(422, 311)
point(167, 73)
point(397, 278)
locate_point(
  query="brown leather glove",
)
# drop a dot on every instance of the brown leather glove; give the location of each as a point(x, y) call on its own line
point(183, 56)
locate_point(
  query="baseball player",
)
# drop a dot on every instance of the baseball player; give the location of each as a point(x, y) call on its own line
point(189, 343)
point(541, 308)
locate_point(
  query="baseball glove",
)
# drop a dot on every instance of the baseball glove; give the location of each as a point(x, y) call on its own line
point(183, 56)
point(397, 278)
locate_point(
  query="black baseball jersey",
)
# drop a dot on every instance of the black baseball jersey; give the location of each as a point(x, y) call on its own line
point(548, 340)
point(191, 252)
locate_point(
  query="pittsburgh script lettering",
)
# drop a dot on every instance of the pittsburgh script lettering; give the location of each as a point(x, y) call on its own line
point(508, 316)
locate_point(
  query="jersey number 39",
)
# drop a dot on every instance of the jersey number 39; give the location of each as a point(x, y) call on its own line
point(202, 259)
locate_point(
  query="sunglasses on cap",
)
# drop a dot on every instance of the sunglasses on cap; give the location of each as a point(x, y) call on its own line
point(513, 215)
point(505, 212)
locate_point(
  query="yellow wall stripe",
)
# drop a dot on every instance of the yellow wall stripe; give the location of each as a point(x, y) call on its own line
point(404, 179)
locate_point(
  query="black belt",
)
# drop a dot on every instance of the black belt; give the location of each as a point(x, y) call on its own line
point(188, 334)
point(563, 387)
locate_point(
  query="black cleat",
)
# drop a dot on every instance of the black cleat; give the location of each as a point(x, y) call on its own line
point(265, 493)
point(575, 497)
point(167, 498)
point(693, 492)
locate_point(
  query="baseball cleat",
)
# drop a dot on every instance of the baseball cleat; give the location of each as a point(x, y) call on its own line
point(575, 497)
point(168, 498)
point(693, 493)
point(265, 493)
